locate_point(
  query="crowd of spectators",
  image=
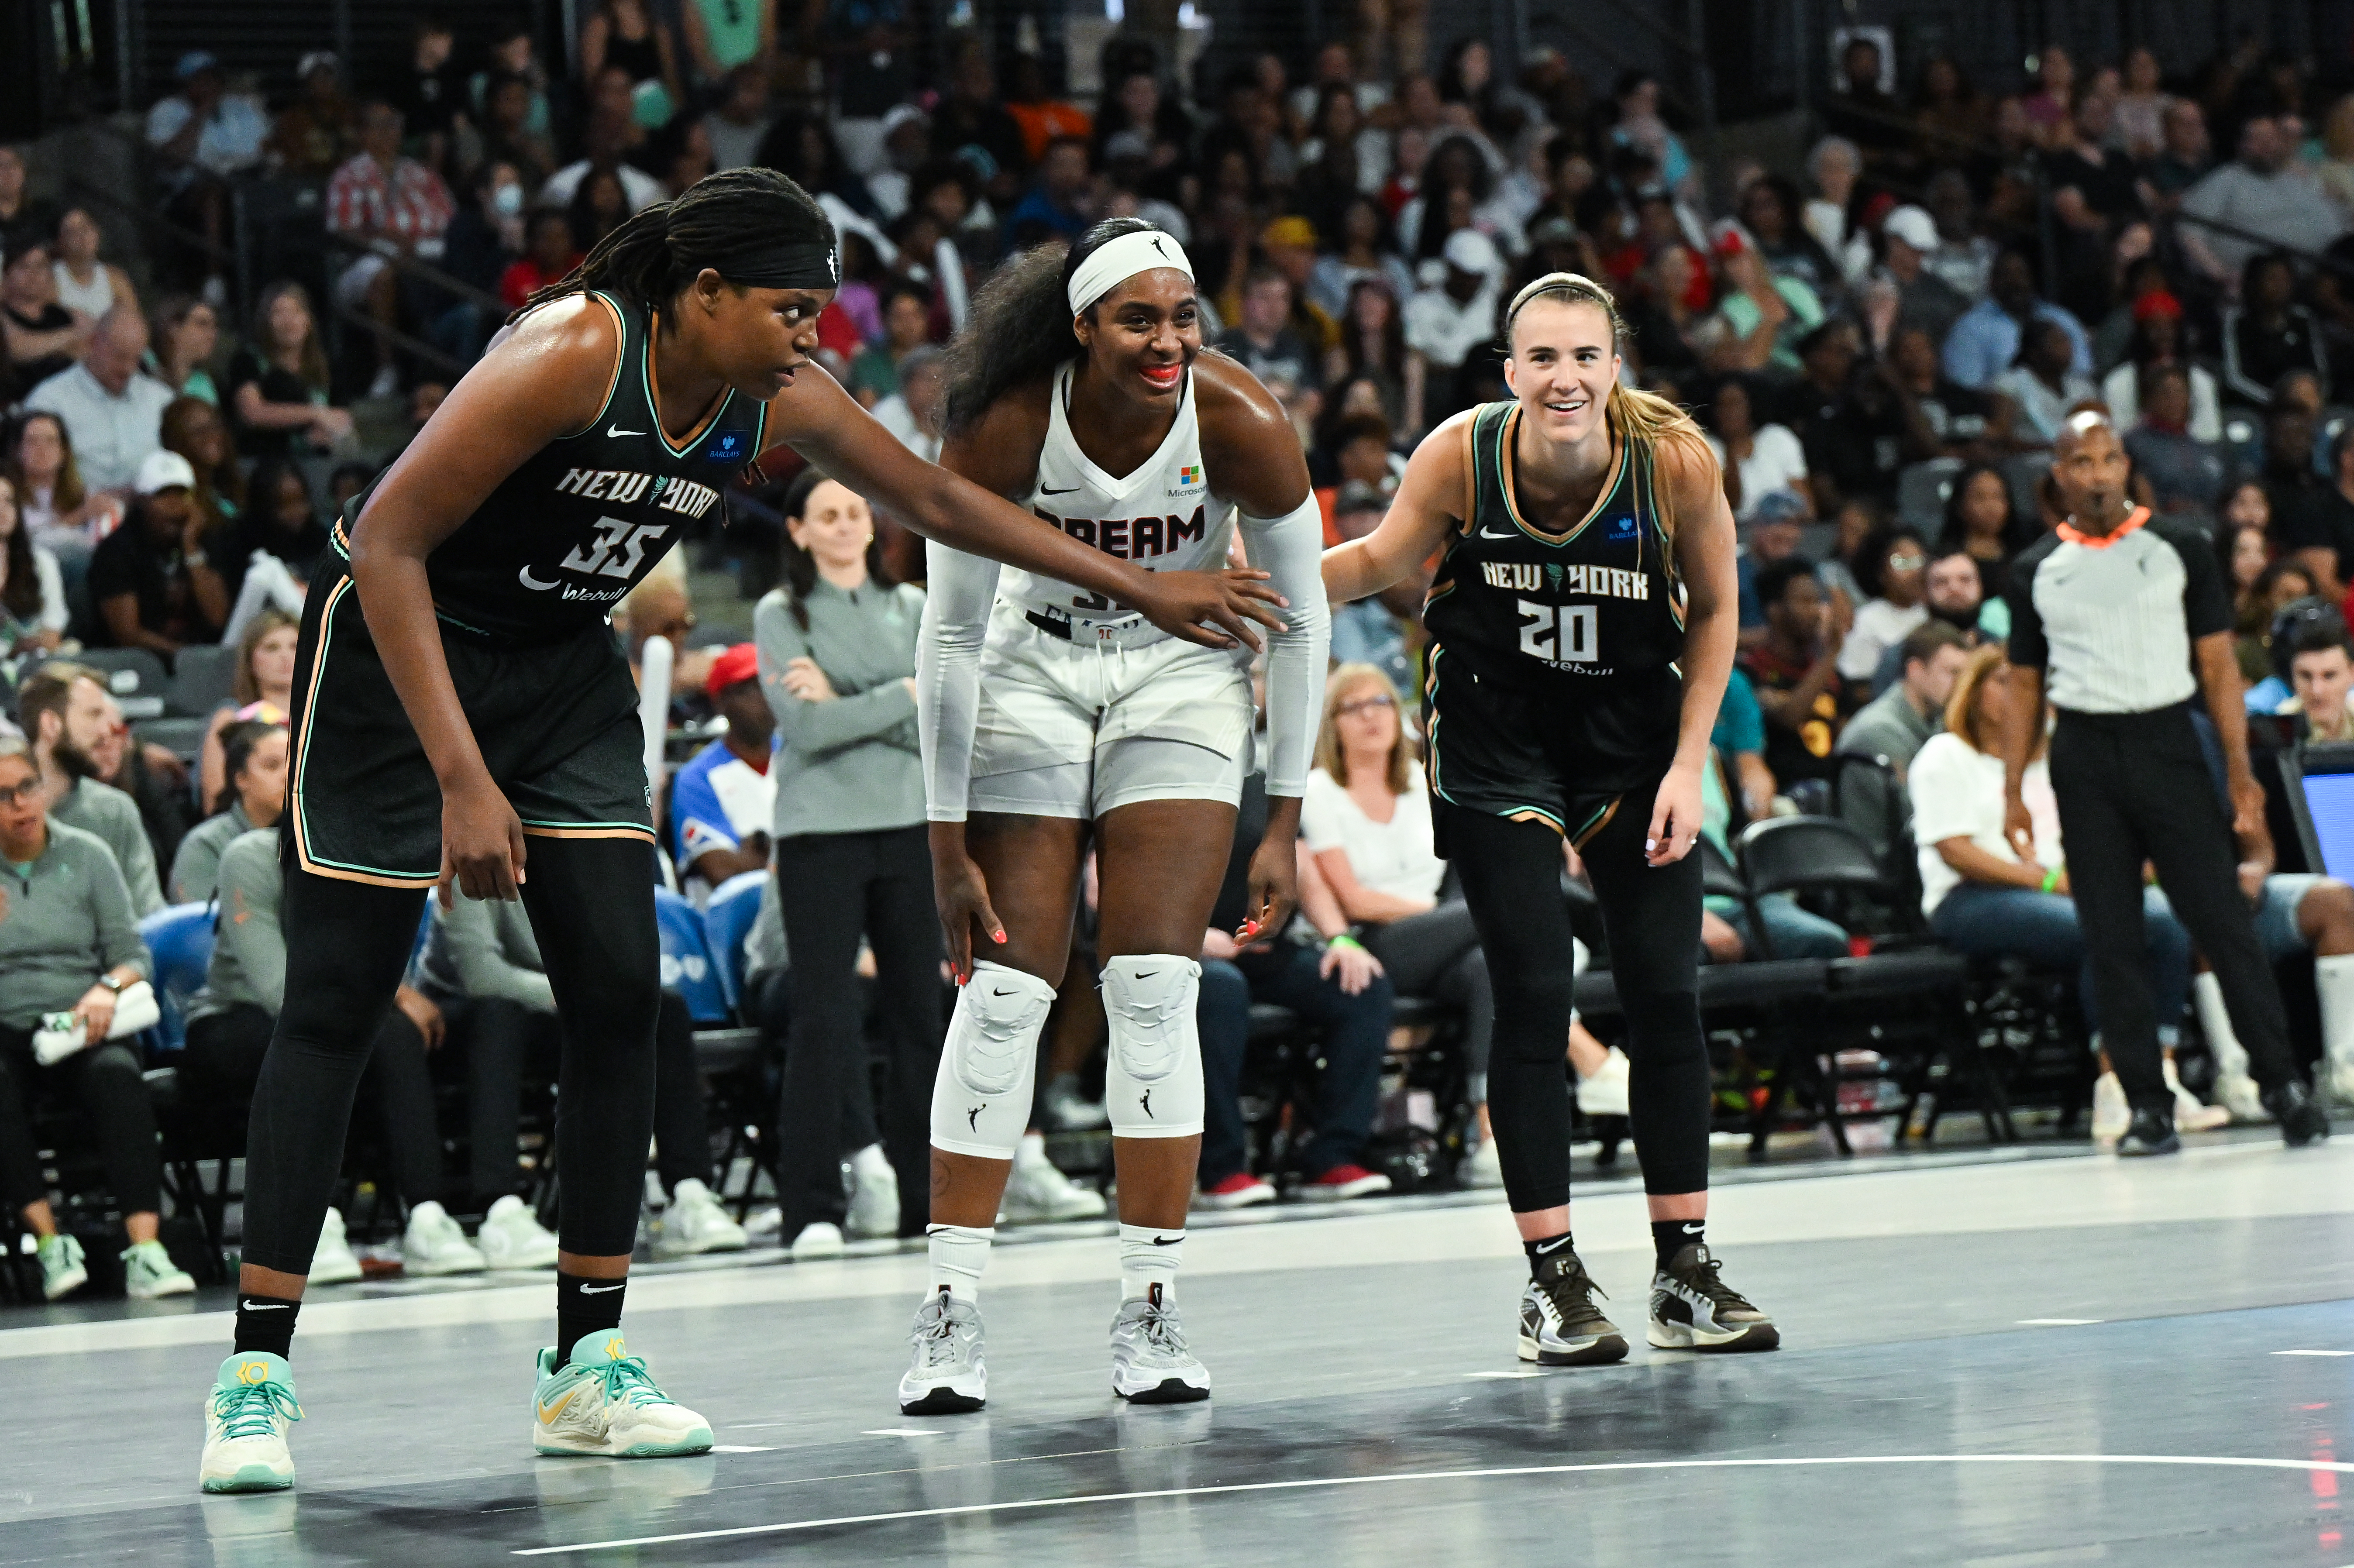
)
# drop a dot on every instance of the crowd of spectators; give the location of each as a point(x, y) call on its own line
point(1881, 342)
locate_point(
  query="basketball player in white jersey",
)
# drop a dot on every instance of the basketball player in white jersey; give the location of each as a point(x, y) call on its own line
point(1051, 714)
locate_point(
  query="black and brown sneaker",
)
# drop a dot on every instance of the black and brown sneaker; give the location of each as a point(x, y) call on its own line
point(1692, 1308)
point(1560, 1324)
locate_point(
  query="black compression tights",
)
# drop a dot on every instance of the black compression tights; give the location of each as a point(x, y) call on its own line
point(1511, 879)
point(347, 943)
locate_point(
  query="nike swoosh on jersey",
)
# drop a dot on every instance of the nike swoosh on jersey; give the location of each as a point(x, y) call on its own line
point(1050, 489)
point(1490, 533)
point(617, 430)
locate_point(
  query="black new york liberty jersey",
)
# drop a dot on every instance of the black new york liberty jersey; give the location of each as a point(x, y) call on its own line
point(585, 518)
point(1599, 599)
point(1550, 679)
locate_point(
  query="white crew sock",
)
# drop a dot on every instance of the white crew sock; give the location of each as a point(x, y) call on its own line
point(1149, 1256)
point(2231, 1056)
point(2333, 978)
point(959, 1253)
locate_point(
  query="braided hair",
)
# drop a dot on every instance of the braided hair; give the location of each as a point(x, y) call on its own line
point(653, 254)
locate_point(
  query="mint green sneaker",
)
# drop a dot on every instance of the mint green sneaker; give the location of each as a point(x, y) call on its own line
point(245, 1419)
point(602, 1402)
point(62, 1269)
point(148, 1272)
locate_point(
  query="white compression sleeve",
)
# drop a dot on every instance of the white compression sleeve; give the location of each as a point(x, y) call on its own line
point(957, 603)
point(1291, 549)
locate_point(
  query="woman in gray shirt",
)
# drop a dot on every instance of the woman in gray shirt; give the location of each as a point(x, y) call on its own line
point(837, 646)
point(68, 945)
point(253, 759)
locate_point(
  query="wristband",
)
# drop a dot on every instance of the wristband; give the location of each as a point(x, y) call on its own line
point(112, 984)
point(1344, 940)
point(2051, 879)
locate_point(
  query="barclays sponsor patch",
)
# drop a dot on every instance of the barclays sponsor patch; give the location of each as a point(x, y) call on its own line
point(1621, 527)
point(731, 445)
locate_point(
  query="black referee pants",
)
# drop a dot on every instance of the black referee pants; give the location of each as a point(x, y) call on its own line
point(2133, 788)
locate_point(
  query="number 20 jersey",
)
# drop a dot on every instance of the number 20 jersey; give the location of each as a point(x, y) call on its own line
point(1566, 641)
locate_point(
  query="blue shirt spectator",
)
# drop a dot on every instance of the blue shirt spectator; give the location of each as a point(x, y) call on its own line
point(1985, 341)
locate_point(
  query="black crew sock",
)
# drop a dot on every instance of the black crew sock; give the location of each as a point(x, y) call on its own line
point(585, 1307)
point(1543, 1248)
point(1668, 1237)
point(265, 1325)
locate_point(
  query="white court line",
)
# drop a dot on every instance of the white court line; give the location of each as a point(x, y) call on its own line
point(737, 1449)
point(905, 1432)
point(2314, 1352)
point(1329, 1481)
point(2059, 1322)
point(1503, 1376)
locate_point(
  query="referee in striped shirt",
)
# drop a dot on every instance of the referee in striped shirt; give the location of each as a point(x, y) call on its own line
point(2124, 617)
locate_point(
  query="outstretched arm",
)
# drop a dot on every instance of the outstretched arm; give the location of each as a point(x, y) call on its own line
point(825, 424)
point(1431, 500)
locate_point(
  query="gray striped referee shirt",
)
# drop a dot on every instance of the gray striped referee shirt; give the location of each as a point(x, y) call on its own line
point(2110, 619)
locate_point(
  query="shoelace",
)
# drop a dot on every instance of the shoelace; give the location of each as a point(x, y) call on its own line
point(1573, 1290)
point(251, 1409)
point(625, 1381)
point(1160, 1329)
point(1705, 1280)
point(937, 1339)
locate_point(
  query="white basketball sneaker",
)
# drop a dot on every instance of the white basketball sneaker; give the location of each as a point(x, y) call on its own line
point(432, 1243)
point(246, 1417)
point(512, 1237)
point(695, 1221)
point(874, 1194)
point(334, 1262)
point(601, 1401)
point(946, 1375)
point(1150, 1362)
point(1036, 1189)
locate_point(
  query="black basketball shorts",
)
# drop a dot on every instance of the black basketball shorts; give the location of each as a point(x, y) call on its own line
point(556, 723)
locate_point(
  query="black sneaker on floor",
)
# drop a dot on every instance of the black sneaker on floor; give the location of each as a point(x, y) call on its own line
point(1560, 1324)
point(2302, 1118)
point(2152, 1132)
point(1692, 1308)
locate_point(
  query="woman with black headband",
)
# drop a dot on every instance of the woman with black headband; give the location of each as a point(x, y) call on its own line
point(1581, 628)
point(1055, 719)
point(465, 720)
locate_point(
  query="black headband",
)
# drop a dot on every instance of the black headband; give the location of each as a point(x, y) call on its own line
point(762, 264)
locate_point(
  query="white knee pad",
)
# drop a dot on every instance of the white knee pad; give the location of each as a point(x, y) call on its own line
point(1152, 1080)
point(980, 1096)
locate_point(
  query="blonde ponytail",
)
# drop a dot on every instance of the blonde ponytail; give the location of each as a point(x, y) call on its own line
point(1641, 416)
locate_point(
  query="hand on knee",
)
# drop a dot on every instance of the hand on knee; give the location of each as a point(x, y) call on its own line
point(1152, 1077)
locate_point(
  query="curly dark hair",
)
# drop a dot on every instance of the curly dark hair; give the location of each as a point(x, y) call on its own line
point(1019, 327)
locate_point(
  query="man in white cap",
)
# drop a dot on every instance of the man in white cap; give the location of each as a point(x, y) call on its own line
point(1456, 312)
point(149, 578)
point(1923, 300)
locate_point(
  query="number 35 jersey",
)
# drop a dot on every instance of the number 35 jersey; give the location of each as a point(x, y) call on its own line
point(581, 522)
point(1552, 667)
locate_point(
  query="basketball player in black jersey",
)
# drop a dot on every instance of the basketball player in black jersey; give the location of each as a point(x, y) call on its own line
point(464, 717)
point(1582, 627)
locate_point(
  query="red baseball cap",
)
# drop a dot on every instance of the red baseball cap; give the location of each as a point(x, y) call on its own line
point(741, 663)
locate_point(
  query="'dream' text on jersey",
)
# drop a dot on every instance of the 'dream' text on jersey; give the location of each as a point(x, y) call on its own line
point(1131, 538)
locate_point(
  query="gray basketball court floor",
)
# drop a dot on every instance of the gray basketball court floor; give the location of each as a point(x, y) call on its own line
point(1988, 1361)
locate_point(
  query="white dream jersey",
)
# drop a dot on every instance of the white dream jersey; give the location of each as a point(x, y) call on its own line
point(1163, 517)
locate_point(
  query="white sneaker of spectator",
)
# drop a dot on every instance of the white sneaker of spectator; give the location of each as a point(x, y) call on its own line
point(2111, 1113)
point(1240, 1191)
point(1068, 1111)
point(1605, 1094)
point(695, 1221)
point(512, 1237)
point(1037, 1189)
point(2192, 1114)
point(433, 1242)
point(148, 1272)
point(874, 1193)
point(334, 1262)
point(1481, 1167)
point(818, 1240)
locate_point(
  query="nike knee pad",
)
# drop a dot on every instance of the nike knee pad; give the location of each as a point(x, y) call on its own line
point(1152, 1078)
point(981, 1097)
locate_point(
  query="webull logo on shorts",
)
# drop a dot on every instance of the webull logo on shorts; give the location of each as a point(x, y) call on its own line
point(1131, 538)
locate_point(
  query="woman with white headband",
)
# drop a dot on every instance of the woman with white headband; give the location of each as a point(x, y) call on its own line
point(1051, 715)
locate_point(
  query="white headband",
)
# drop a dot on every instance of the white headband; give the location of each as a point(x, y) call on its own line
point(1115, 261)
